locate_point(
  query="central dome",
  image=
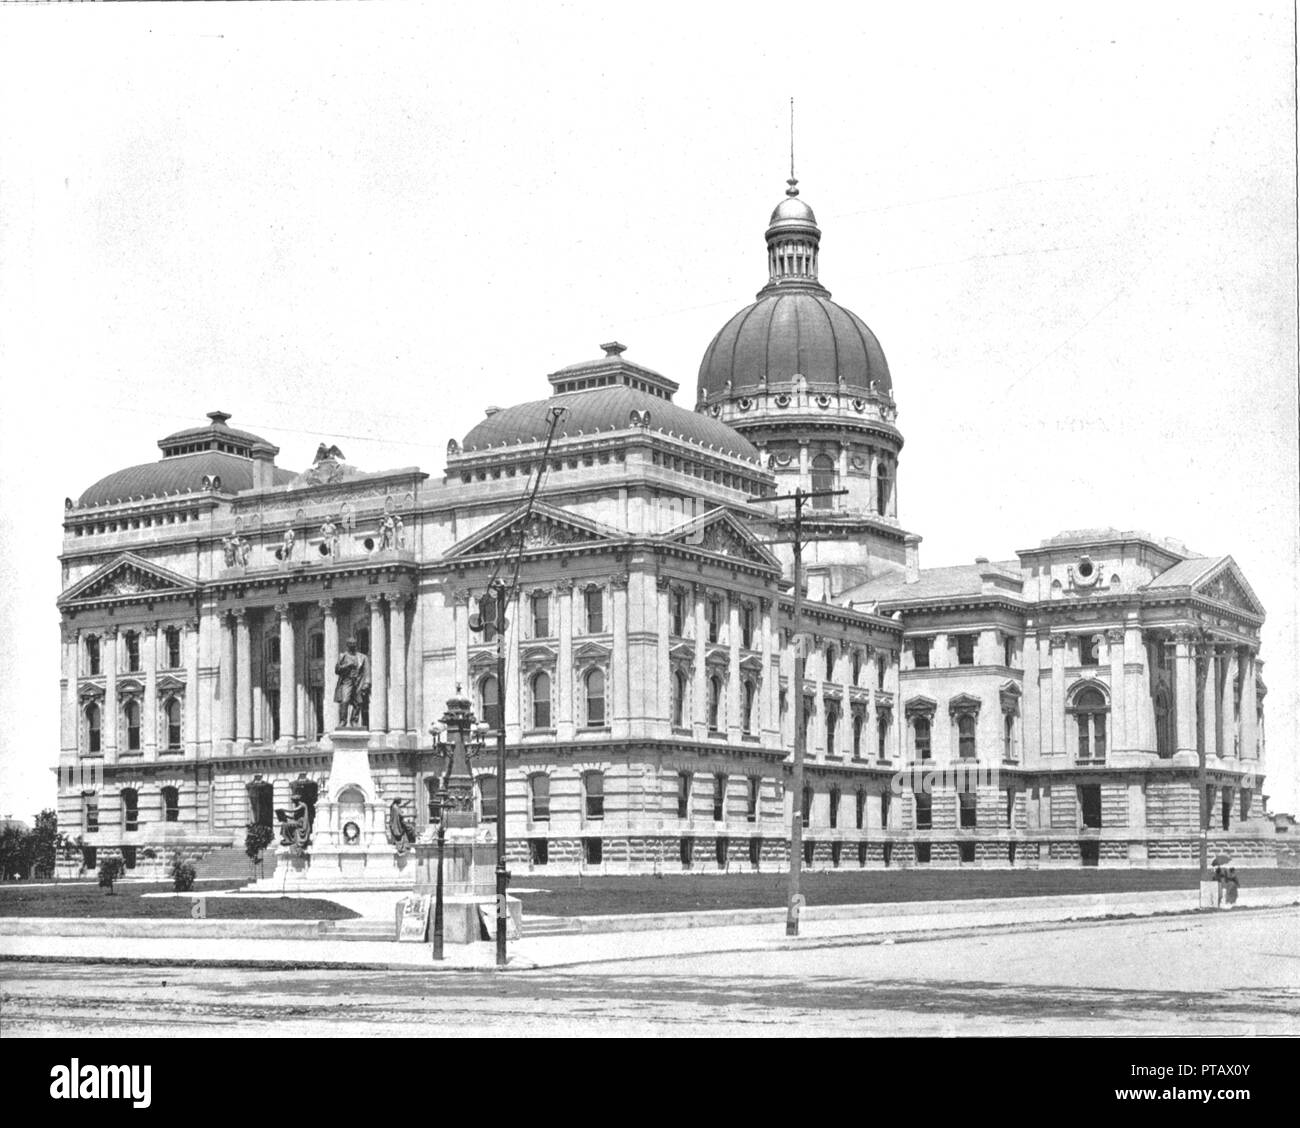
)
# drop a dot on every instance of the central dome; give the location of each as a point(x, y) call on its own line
point(799, 333)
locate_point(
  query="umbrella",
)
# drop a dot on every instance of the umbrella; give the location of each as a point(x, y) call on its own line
point(1221, 859)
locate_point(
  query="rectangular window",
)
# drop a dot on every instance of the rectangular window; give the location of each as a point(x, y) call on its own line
point(173, 648)
point(1088, 650)
point(966, 803)
point(747, 627)
point(679, 613)
point(882, 734)
point(317, 646)
point(1011, 807)
point(539, 798)
point(966, 852)
point(965, 650)
point(715, 619)
point(1008, 650)
point(721, 847)
point(1090, 805)
point(593, 787)
point(591, 851)
point(751, 799)
point(538, 854)
point(687, 851)
point(924, 811)
point(921, 652)
point(92, 816)
point(92, 656)
point(487, 798)
point(719, 798)
point(922, 853)
point(541, 607)
point(133, 652)
point(860, 809)
point(683, 795)
point(885, 798)
point(755, 851)
point(594, 602)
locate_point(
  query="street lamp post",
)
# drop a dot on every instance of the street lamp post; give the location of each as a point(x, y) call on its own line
point(465, 741)
point(503, 876)
point(793, 899)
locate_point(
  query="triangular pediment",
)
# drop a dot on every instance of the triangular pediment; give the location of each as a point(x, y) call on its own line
point(546, 527)
point(722, 533)
point(590, 652)
point(682, 652)
point(1226, 584)
point(920, 706)
point(128, 576)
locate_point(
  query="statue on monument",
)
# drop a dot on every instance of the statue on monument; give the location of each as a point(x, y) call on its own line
point(353, 689)
point(295, 825)
point(401, 832)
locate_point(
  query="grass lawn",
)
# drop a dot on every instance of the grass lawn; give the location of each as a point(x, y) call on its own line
point(18, 900)
point(595, 896)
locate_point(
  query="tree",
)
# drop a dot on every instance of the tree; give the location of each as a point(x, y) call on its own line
point(111, 869)
point(257, 839)
point(12, 852)
point(45, 842)
point(183, 875)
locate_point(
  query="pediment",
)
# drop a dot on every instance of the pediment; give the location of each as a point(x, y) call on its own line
point(169, 683)
point(483, 659)
point(546, 527)
point(590, 652)
point(1226, 584)
point(722, 533)
point(920, 706)
point(126, 576)
point(91, 692)
point(752, 662)
point(534, 655)
point(964, 703)
point(682, 652)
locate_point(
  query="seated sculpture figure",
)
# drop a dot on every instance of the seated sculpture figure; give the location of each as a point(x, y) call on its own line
point(401, 831)
point(295, 825)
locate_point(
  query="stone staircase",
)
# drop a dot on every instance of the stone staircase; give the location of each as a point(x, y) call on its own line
point(232, 864)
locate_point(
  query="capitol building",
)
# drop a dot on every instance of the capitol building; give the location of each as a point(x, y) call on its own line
point(649, 694)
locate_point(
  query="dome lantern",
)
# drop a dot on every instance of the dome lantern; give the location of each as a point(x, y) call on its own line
point(793, 240)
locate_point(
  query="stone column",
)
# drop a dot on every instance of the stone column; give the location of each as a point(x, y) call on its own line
point(149, 707)
point(226, 679)
point(663, 663)
point(562, 687)
point(871, 729)
point(1227, 713)
point(770, 689)
point(873, 458)
point(330, 613)
point(939, 652)
point(700, 689)
point(108, 659)
point(1184, 694)
point(1249, 722)
point(1031, 704)
point(804, 479)
point(1210, 702)
point(735, 690)
point(512, 704)
point(288, 673)
point(397, 660)
point(244, 677)
point(378, 666)
point(190, 642)
point(1057, 644)
point(69, 726)
point(1138, 703)
point(617, 711)
point(1121, 738)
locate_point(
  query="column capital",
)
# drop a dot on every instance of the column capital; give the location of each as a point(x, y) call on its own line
point(1057, 641)
point(662, 582)
point(373, 599)
point(327, 607)
point(241, 614)
point(619, 580)
point(1115, 635)
point(284, 609)
point(398, 599)
point(564, 586)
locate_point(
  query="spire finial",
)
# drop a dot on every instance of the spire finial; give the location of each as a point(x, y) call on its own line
point(793, 190)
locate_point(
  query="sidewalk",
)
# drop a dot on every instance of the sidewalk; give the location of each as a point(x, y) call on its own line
point(601, 939)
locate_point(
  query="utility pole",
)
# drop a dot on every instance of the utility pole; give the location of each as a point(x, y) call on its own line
point(503, 877)
point(793, 900)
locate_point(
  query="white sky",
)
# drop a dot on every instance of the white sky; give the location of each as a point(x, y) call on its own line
point(1072, 228)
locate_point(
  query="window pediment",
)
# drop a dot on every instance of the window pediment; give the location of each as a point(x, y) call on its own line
point(964, 703)
point(920, 706)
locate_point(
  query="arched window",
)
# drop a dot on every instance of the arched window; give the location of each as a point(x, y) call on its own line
point(172, 641)
point(882, 488)
point(94, 733)
point(541, 685)
point(921, 737)
point(832, 721)
point(594, 603)
point(1164, 725)
point(859, 721)
point(830, 663)
point(595, 686)
point(539, 797)
point(809, 712)
point(806, 807)
point(713, 615)
point(171, 801)
point(823, 478)
point(487, 798)
point(859, 808)
point(679, 613)
point(715, 702)
point(273, 650)
point(130, 809)
point(172, 720)
point(882, 663)
point(835, 807)
point(1008, 736)
point(1090, 711)
point(679, 699)
point(131, 714)
point(751, 701)
point(747, 626)
point(489, 702)
point(966, 736)
point(857, 666)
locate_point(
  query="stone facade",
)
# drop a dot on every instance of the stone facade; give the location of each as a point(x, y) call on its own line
point(648, 704)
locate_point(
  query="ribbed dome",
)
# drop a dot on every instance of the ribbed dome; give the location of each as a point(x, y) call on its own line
point(794, 333)
point(603, 409)
point(792, 210)
point(178, 474)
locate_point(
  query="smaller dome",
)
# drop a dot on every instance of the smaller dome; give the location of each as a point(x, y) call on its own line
point(792, 209)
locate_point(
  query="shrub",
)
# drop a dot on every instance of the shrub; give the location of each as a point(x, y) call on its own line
point(148, 853)
point(183, 874)
point(111, 869)
point(257, 839)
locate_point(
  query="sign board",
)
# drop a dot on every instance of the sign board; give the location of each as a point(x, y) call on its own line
point(413, 923)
